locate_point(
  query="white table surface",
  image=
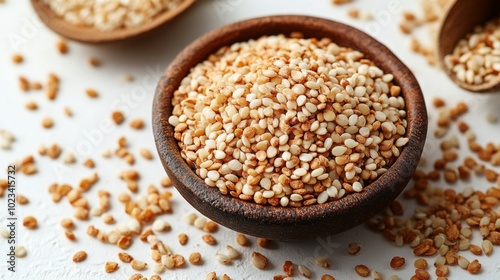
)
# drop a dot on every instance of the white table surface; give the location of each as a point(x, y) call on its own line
point(49, 252)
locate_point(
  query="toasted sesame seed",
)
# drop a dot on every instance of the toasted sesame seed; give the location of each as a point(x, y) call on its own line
point(110, 267)
point(209, 239)
point(362, 270)
point(305, 271)
point(62, 46)
point(242, 240)
point(79, 256)
point(195, 258)
point(118, 117)
point(30, 222)
point(91, 93)
point(322, 261)
point(47, 122)
point(17, 58)
point(94, 62)
point(223, 259)
point(20, 251)
point(138, 265)
point(211, 276)
point(397, 262)
point(259, 260)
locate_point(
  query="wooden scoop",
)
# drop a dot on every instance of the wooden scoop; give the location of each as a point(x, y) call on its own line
point(90, 34)
point(460, 18)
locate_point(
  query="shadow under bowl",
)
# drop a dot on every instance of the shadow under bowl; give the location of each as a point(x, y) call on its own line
point(288, 223)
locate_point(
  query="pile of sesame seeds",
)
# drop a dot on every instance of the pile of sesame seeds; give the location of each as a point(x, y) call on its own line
point(289, 121)
point(476, 58)
point(112, 14)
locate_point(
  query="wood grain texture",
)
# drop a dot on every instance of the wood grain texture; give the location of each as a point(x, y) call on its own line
point(288, 223)
point(461, 16)
point(89, 34)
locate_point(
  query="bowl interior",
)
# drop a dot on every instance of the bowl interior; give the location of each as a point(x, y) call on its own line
point(93, 35)
point(287, 223)
point(457, 23)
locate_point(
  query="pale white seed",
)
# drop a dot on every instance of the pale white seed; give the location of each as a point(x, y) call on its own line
point(223, 259)
point(304, 271)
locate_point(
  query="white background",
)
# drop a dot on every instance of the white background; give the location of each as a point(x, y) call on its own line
point(49, 252)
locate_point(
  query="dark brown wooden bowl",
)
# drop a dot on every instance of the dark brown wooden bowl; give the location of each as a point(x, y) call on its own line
point(288, 223)
point(460, 18)
point(89, 34)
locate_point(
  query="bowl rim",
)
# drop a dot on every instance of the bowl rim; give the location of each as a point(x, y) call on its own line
point(210, 202)
point(89, 34)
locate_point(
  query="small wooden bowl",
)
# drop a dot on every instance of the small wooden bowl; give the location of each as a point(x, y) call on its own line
point(89, 34)
point(288, 223)
point(460, 18)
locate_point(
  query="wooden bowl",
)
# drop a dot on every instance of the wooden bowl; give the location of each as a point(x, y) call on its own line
point(288, 223)
point(90, 34)
point(460, 18)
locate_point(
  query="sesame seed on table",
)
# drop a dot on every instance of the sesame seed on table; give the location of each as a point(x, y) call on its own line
point(76, 119)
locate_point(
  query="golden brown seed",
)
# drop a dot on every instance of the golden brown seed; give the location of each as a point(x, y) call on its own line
point(327, 277)
point(397, 262)
point(68, 112)
point(288, 268)
point(62, 46)
point(183, 238)
point(36, 86)
point(94, 62)
point(30, 222)
point(259, 260)
point(209, 239)
point(178, 260)
point(137, 124)
point(91, 93)
point(89, 163)
point(263, 242)
point(476, 250)
point(166, 182)
point(70, 235)
point(211, 276)
point(442, 271)
point(211, 226)
point(474, 267)
point(353, 248)
point(110, 267)
point(422, 274)
point(155, 277)
point(225, 277)
point(17, 58)
point(31, 105)
point(67, 223)
point(47, 122)
point(420, 264)
point(242, 240)
point(145, 153)
point(136, 277)
point(124, 257)
point(438, 102)
point(79, 256)
point(362, 270)
point(138, 265)
point(21, 199)
point(124, 242)
point(24, 85)
point(118, 117)
point(195, 258)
